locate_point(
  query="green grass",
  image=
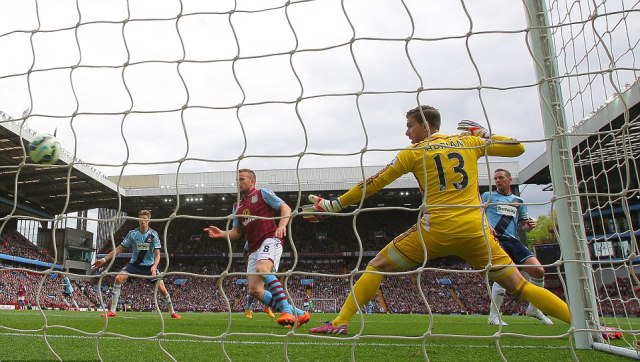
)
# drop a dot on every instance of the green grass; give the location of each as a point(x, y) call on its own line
point(33, 336)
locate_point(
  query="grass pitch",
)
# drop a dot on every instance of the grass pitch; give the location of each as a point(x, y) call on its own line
point(85, 336)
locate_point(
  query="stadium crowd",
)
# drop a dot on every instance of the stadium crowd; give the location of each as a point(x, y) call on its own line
point(327, 255)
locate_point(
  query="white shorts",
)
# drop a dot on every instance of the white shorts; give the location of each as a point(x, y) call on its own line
point(270, 249)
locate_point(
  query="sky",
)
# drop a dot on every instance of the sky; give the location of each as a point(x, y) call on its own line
point(142, 87)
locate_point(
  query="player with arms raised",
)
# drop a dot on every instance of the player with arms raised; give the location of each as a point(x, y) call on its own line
point(453, 223)
point(145, 245)
point(264, 244)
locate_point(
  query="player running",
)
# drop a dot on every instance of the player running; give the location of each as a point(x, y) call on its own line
point(145, 245)
point(67, 291)
point(264, 240)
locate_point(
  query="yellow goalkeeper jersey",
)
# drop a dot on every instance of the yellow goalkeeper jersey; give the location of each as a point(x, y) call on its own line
point(446, 168)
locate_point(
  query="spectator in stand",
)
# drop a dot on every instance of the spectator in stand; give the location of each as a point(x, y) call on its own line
point(264, 239)
point(145, 245)
point(505, 212)
point(22, 294)
point(446, 168)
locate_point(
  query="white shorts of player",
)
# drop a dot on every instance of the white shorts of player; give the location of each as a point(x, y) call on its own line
point(270, 249)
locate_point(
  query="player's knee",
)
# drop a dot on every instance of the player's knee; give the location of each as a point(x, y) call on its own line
point(255, 292)
point(390, 261)
point(537, 272)
point(506, 277)
point(379, 263)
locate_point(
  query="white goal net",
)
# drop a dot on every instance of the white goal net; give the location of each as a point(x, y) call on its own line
point(161, 99)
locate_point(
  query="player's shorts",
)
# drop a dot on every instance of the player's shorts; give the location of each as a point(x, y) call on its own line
point(515, 249)
point(141, 270)
point(66, 294)
point(406, 251)
point(270, 249)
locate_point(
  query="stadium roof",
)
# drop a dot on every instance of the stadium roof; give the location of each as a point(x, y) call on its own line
point(42, 190)
point(593, 143)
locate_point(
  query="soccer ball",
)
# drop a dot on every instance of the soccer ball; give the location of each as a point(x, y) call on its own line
point(44, 149)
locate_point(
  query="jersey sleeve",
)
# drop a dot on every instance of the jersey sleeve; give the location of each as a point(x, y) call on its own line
point(505, 147)
point(484, 197)
point(398, 167)
point(271, 198)
point(235, 222)
point(126, 243)
point(156, 241)
point(523, 212)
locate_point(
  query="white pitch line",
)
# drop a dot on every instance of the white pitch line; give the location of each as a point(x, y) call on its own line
point(333, 343)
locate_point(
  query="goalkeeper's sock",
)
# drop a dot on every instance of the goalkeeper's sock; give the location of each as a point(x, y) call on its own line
point(168, 303)
point(364, 290)
point(497, 294)
point(115, 295)
point(537, 282)
point(546, 301)
point(279, 300)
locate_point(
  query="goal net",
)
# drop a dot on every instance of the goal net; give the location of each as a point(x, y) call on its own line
point(318, 305)
point(162, 99)
point(585, 56)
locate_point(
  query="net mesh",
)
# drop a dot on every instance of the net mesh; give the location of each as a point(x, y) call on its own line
point(173, 87)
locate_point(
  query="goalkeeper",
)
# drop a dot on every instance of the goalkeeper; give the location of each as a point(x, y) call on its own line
point(453, 223)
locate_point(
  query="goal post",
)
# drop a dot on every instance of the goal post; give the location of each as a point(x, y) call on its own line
point(571, 235)
point(584, 59)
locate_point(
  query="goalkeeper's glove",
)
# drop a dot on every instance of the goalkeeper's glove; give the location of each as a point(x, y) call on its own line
point(314, 215)
point(473, 128)
point(321, 204)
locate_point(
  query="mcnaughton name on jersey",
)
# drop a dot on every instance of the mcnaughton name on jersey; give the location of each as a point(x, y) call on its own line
point(441, 145)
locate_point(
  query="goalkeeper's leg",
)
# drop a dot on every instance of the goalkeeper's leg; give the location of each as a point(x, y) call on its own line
point(389, 259)
point(546, 301)
point(363, 291)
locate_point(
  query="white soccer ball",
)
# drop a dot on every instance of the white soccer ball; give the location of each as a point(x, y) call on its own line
point(44, 149)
